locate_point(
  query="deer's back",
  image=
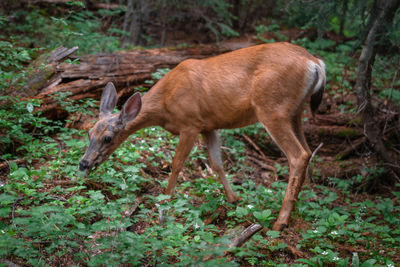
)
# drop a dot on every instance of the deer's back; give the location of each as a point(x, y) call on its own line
point(219, 92)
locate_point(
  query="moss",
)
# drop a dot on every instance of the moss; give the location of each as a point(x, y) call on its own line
point(322, 132)
point(37, 79)
point(355, 121)
point(348, 133)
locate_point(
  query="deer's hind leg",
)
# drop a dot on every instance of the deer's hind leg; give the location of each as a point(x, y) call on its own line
point(284, 130)
point(214, 155)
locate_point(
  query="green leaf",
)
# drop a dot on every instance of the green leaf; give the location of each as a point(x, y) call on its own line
point(273, 234)
point(5, 212)
point(162, 197)
point(368, 263)
point(76, 3)
point(240, 212)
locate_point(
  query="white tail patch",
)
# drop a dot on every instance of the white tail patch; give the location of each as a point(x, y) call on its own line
point(322, 76)
point(314, 70)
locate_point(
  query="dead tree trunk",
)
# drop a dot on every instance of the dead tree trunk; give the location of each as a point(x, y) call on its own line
point(363, 83)
point(127, 70)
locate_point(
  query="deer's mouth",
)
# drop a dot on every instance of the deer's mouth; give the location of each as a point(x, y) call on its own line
point(87, 168)
point(95, 165)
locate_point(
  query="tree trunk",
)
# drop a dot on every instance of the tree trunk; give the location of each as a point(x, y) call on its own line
point(363, 83)
point(343, 16)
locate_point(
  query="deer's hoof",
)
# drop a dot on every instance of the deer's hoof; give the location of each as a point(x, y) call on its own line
point(234, 201)
point(279, 226)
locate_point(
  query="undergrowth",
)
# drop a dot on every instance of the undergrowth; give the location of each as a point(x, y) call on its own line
point(51, 215)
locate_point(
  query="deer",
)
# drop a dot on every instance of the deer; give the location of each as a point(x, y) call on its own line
point(267, 83)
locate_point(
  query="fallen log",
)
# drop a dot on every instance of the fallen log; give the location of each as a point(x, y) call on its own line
point(88, 4)
point(38, 73)
point(129, 71)
point(245, 235)
point(341, 132)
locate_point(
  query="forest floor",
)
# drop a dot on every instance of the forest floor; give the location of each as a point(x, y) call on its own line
point(347, 212)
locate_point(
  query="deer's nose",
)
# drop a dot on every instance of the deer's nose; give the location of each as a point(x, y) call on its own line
point(83, 165)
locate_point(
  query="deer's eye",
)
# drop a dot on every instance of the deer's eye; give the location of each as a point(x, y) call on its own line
point(107, 139)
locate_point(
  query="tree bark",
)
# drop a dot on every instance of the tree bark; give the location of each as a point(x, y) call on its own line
point(40, 70)
point(88, 4)
point(343, 17)
point(363, 82)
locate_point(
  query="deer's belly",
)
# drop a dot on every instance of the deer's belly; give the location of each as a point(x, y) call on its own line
point(230, 120)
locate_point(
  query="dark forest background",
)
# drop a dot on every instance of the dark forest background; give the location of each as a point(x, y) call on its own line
point(56, 56)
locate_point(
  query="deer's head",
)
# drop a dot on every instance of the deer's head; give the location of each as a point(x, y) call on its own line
point(109, 132)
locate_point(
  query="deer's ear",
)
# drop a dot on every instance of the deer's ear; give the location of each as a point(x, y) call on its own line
point(131, 108)
point(108, 99)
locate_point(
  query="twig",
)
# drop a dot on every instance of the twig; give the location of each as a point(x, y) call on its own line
point(13, 210)
point(9, 263)
point(209, 169)
point(353, 146)
point(214, 215)
point(246, 235)
point(295, 251)
point(391, 165)
point(311, 158)
point(248, 139)
point(396, 150)
point(6, 163)
point(128, 213)
point(255, 155)
point(239, 240)
point(201, 172)
point(262, 164)
point(161, 216)
point(60, 198)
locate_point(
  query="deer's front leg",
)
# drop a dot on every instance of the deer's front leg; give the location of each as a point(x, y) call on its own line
point(214, 154)
point(186, 141)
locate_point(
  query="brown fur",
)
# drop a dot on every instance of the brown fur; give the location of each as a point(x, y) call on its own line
point(267, 83)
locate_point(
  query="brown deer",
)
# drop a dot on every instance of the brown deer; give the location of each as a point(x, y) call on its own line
point(267, 83)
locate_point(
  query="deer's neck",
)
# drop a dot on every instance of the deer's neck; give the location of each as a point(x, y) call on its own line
point(150, 114)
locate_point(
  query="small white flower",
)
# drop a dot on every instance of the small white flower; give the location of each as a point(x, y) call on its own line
point(269, 191)
point(336, 258)
point(250, 206)
point(315, 231)
point(359, 220)
point(196, 226)
point(153, 129)
point(2, 231)
point(324, 253)
point(334, 233)
point(207, 191)
point(186, 195)
point(390, 265)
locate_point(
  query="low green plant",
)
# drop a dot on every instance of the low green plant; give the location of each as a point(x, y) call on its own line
point(13, 59)
point(261, 30)
point(77, 28)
